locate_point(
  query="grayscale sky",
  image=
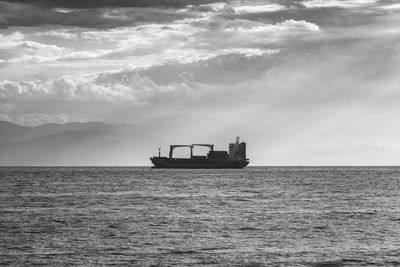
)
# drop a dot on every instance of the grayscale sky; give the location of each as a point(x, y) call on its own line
point(324, 71)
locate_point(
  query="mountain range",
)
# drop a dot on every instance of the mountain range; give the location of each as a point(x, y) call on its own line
point(96, 143)
point(101, 144)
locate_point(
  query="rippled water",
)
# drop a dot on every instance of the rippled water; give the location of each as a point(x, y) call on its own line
point(251, 217)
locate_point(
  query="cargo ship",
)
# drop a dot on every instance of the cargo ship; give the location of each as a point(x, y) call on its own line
point(235, 159)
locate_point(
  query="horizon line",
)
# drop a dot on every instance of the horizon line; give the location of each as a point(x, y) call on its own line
point(149, 166)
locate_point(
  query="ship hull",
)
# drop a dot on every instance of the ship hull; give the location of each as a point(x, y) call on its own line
point(175, 163)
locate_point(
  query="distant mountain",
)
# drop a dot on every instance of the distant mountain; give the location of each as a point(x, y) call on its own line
point(10, 132)
point(102, 144)
point(99, 144)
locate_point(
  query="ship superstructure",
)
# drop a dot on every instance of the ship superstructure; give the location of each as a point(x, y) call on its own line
point(215, 159)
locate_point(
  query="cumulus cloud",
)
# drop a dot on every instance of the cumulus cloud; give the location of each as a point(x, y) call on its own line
point(25, 14)
point(200, 32)
point(104, 87)
point(111, 14)
point(63, 34)
point(113, 3)
point(226, 69)
point(18, 51)
point(338, 3)
point(257, 8)
point(159, 87)
point(291, 26)
point(290, 3)
point(4, 117)
point(35, 119)
point(390, 7)
point(7, 107)
point(144, 46)
point(204, 9)
point(245, 33)
point(16, 36)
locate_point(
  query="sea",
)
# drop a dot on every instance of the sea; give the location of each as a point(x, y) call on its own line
point(257, 216)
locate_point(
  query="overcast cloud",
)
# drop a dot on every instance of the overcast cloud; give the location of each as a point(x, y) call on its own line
point(325, 70)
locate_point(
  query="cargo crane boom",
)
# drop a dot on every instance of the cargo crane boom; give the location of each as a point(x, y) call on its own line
point(207, 145)
point(172, 147)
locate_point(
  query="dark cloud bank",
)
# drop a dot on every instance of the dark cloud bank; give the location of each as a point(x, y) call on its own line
point(92, 14)
point(112, 3)
point(118, 13)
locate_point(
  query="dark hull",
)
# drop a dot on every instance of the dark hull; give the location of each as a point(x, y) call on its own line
point(166, 163)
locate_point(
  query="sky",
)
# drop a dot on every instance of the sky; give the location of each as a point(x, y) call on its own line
point(324, 72)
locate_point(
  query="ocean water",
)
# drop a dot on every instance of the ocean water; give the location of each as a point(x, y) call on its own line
point(291, 216)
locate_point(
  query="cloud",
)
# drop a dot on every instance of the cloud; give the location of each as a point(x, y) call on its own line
point(204, 9)
point(29, 51)
point(112, 14)
point(290, 3)
point(325, 14)
point(15, 36)
point(229, 68)
point(224, 33)
point(135, 85)
point(7, 107)
point(322, 74)
point(338, 3)
point(295, 80)
point(289, 25)
point(333, 96)
point(390, 7)
point(4, 117)
point(104, 87)
point(35, 119)
point(141, 46)
point(257, 8)
point(23, 14)
point(63, 34)
point(113, 3)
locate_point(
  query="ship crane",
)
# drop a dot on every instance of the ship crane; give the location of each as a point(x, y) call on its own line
point(172, 147)
point(207, 145)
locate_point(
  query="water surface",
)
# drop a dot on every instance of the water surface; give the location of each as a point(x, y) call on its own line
point(291, 216)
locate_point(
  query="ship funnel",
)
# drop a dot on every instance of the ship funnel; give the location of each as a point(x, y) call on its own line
point(237, 139)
